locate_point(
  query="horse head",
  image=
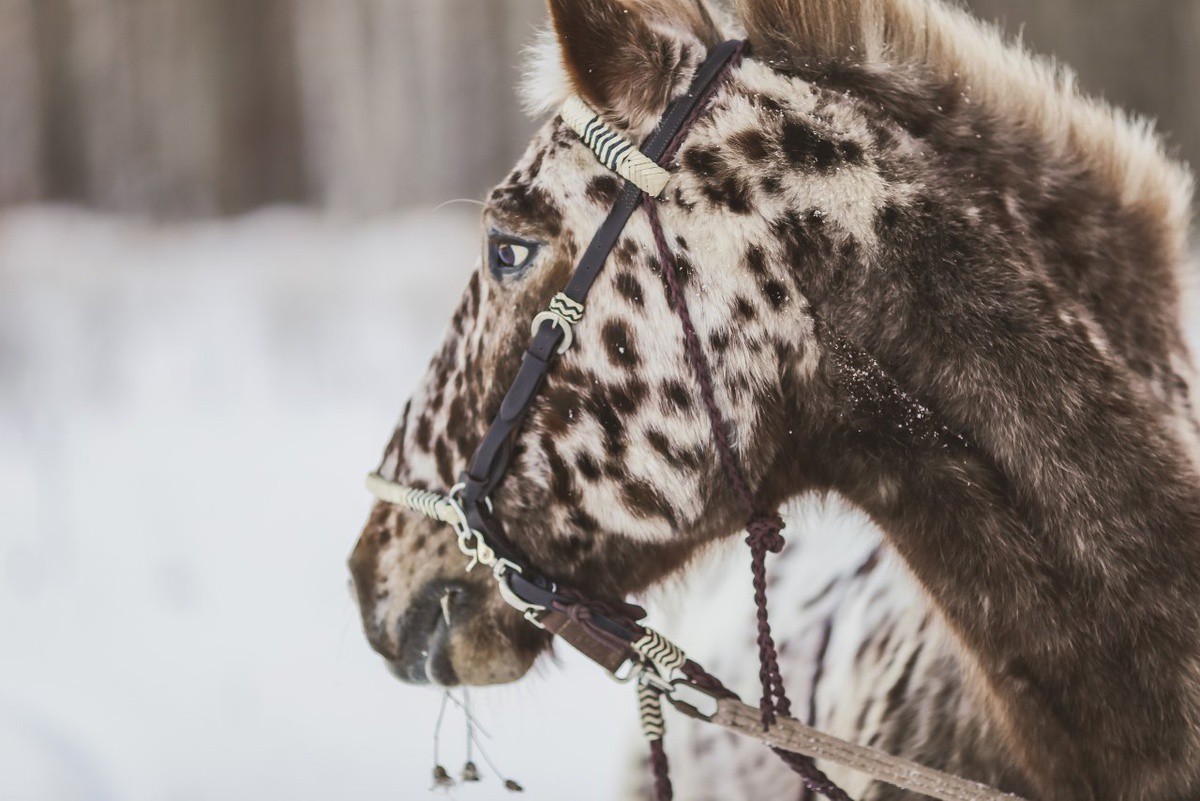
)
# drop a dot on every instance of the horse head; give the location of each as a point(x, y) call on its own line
point(926, 274)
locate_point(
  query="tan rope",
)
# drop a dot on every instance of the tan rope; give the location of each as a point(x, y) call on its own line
point(431, 504)
point(614, 150)
point(792, 735)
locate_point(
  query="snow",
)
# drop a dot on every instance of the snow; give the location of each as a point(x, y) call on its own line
point(186, 415)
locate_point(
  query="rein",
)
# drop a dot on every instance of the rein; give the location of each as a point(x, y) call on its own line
point(608, 632)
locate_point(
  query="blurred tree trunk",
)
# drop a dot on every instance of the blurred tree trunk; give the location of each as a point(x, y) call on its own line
point(411, 100)
point(196, 107)
point(190, 107)
point(20, 100)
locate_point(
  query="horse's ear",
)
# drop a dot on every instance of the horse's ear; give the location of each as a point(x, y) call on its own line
point(628, 57)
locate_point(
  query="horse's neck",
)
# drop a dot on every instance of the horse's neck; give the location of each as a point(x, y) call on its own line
point(1061, 543)
point(1055, 523)
point(866, 657)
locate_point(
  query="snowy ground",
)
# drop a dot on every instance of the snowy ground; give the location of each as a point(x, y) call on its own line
point(186, 414)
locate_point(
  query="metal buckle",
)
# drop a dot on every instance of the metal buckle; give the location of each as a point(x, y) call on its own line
point(635, 668)
point(650, 677)
point(529, 610)
point(561, 322)
point(698, 695)
point(470, 541)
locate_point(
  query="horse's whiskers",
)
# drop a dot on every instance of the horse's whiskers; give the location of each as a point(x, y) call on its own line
point(470, 772)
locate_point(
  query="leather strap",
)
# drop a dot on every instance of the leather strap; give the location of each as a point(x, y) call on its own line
point(589, 638)
point(492, 456)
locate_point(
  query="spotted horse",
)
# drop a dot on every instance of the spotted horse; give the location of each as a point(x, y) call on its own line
point(939, 290)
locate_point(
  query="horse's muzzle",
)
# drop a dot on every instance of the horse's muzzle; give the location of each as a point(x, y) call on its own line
point(423, 636)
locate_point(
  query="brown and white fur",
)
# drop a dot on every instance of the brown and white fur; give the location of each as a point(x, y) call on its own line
point(934, 281)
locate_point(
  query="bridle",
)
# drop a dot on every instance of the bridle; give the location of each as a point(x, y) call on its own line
point(608, 632)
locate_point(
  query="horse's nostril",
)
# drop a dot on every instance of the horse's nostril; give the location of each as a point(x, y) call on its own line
point(424, 633)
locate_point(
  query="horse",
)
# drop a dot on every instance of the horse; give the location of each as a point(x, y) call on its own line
point(935, 283)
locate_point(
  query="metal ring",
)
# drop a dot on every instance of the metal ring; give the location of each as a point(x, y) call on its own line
point(635, 669)
point(699, 695)
point(558, 320)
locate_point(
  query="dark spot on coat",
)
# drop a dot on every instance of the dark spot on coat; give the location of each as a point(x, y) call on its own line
point(587, 466)
point(767, 103)
point(730, 192)
point(424, 433)
point(629, 288)
point(776, 293)
point(677, 396)
point(683, 269)
point(627, 250)
point(445, 468)
point(604, 189)
point(750, 143)
point(624, 401)
point(659, 442)
point(800, 143)
point(756, 260)
point(610, 423)
point(457, 419)
point(561, 402)
point(644, 501)
point(805, 148)
point(562, 481)
point(703, 161)
point(744, 309)
point(619, 345)
point(531, 204)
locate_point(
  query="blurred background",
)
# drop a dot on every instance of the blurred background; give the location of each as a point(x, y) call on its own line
point(225, 257)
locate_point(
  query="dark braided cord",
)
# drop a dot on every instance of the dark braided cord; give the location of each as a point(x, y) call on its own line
point(814, 778)
point(619, 611)
point(763, 535)
point(699, 677)
point(763, 531)
point(661, 771)
point(698, 362)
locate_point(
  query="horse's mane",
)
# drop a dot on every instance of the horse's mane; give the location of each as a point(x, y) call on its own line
point(1122, 150)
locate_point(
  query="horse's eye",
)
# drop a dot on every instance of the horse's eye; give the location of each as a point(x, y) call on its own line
point(508, 255)
point(512, 255)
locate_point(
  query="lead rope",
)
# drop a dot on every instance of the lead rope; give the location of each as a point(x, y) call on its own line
point(763, 529)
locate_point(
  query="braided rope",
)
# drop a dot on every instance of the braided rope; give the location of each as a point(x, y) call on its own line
point(614, 150)
point(661, 770)
point(569, 310)
point(431, 504)
point(665, 655)
point(650, 711)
